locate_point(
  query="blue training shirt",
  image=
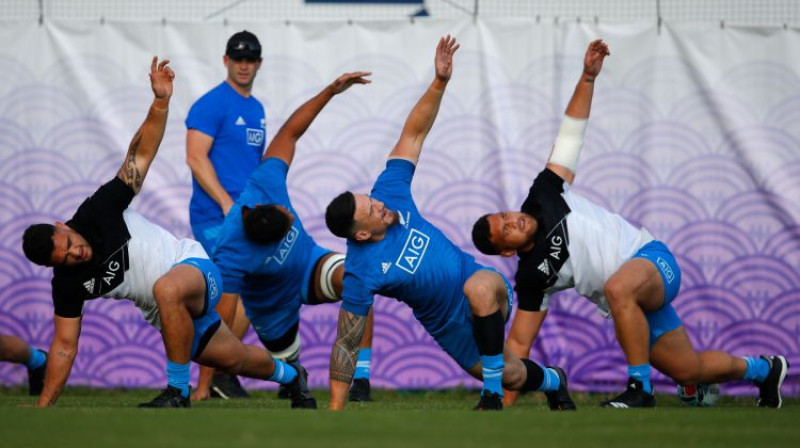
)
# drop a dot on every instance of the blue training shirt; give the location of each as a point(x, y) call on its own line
point(238, 126)
point(414, 263)
point(266, 275)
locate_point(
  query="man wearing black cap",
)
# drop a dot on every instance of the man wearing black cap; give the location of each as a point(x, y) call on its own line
point(226, 132)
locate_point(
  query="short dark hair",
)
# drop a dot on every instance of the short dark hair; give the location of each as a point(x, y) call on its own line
point(265, 224)
point(37, 243)
point(339, 215)
point(481, 234)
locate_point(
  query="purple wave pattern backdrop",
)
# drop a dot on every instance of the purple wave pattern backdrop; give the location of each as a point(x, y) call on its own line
point(703, 152)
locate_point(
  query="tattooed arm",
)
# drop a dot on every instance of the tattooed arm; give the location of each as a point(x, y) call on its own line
point(145, 143)
point(62, 353)
point(344, 355)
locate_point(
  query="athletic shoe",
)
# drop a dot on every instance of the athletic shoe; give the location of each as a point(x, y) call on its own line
point(360, 390)
point(227, 386)
point(169, 398)
point(283, 392)
point(769, 390)
point(298, 389)
point(633, 397)
point(36, 377)
point(559, 400)
point(490, 401)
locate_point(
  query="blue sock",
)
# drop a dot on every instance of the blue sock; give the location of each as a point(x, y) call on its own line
point(641, 373)
point(178, 377)
point(37, 359)
point(362, 366)
point(493, 373)
point(757, 369)
point(551, 381)
point(284, 373)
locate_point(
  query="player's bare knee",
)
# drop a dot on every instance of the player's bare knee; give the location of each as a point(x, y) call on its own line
point(617, 295)
point(480, 296)
point(167, 293)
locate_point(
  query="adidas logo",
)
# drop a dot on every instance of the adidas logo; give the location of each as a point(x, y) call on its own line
point(89, 285)
point(385, 266)
point(544, 267)
point(240, 121)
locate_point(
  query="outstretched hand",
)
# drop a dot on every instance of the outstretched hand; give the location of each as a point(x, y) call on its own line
point(161, 78)
point(444, 57)
point(344, 82)
point(593, 62)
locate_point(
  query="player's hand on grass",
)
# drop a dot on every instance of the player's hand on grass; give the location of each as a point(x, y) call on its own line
point(344, 82)
point(201, 395)
point(509, 397)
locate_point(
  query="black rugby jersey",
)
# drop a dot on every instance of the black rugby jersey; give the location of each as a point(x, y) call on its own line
point(538, 269)
point(99, 220)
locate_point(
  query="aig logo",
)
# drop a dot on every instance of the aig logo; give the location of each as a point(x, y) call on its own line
point(285, 246)
point(413, 251)
point(255, 137)
point(666, 269)
point(211, 283)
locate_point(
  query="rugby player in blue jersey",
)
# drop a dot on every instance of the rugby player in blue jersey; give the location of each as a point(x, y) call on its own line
point(264, 253)
point(393, 251)
point(565, 241)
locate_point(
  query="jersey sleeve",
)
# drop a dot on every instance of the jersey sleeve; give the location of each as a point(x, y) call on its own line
point(269, 182)
point(64, 303)
point(530, 292)
point(395, 180)
point(228, 259)
point(205, 116)
point(357, 298)
point(546, 184)
point(110, 200)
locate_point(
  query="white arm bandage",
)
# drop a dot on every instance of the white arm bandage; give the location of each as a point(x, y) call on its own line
point(326, 275)
point(569, 142)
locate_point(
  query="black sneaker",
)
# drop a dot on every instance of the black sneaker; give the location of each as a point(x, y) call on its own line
point(559, 400)
point(298, 389)
point(36, 377)
point(769, 390)
point(169, 398)
point(360, 390)
point(283, 392)
point(227, 386)
point(633, 397)
point(490, 401)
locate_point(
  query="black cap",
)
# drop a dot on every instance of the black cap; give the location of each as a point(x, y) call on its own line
point(243, 45)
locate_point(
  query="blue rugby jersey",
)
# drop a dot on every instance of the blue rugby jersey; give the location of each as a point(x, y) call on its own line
point(238, 126)
point(271, 273)
point(415, 263)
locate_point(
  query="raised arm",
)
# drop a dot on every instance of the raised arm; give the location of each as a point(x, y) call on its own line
point(145, 142)
point(63, 349)
point(564, 157)
point(285, 141)
point(422, 116)
point(344, 355)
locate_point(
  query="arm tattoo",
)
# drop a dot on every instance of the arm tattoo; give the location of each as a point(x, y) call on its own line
point(129, 173)
point(344, 354)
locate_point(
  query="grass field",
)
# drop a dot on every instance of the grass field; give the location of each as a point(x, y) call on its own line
point(86, 418)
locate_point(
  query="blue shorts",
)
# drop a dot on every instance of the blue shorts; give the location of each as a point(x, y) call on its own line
point(664, 319)
point(207, 234)
point(272, 323)
point(457, 337)
point(209, 321)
